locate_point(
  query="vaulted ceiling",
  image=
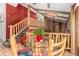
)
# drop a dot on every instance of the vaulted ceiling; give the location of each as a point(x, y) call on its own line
point(61, 10)
point(65, 7)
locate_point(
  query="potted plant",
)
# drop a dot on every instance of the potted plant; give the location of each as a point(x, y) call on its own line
point(38, 32)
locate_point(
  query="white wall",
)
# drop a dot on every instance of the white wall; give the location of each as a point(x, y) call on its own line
point(3, 21)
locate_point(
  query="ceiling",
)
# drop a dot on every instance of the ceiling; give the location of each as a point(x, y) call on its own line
point(62, 10)
point(53, 6)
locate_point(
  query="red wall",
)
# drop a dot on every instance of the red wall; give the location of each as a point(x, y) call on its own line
point(33, 15)
point(10, 10)
point(16, 14)
point(22, 12)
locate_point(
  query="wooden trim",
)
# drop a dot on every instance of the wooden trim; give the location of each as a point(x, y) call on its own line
point(50, 47)
point(72, 20)
point(58, 44)
point(13, 44)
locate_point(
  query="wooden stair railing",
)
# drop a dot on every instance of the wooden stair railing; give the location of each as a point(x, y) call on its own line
point(50, 45)
point(18, 27)
point(14, 31)
point(58, 36)
point(54, 40)
point(13, 45)
point(59, 52)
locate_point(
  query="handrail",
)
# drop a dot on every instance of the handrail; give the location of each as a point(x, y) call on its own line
point(13, 45)
point(58, 33)
point(58, 44)
point(55, 36)
point(58, 37)
point(50, 45)
point(60, 51)
point(18, 27)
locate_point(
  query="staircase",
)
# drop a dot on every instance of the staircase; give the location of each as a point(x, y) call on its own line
point(21, 34)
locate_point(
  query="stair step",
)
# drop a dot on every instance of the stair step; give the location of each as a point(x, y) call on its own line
point(21, 34)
